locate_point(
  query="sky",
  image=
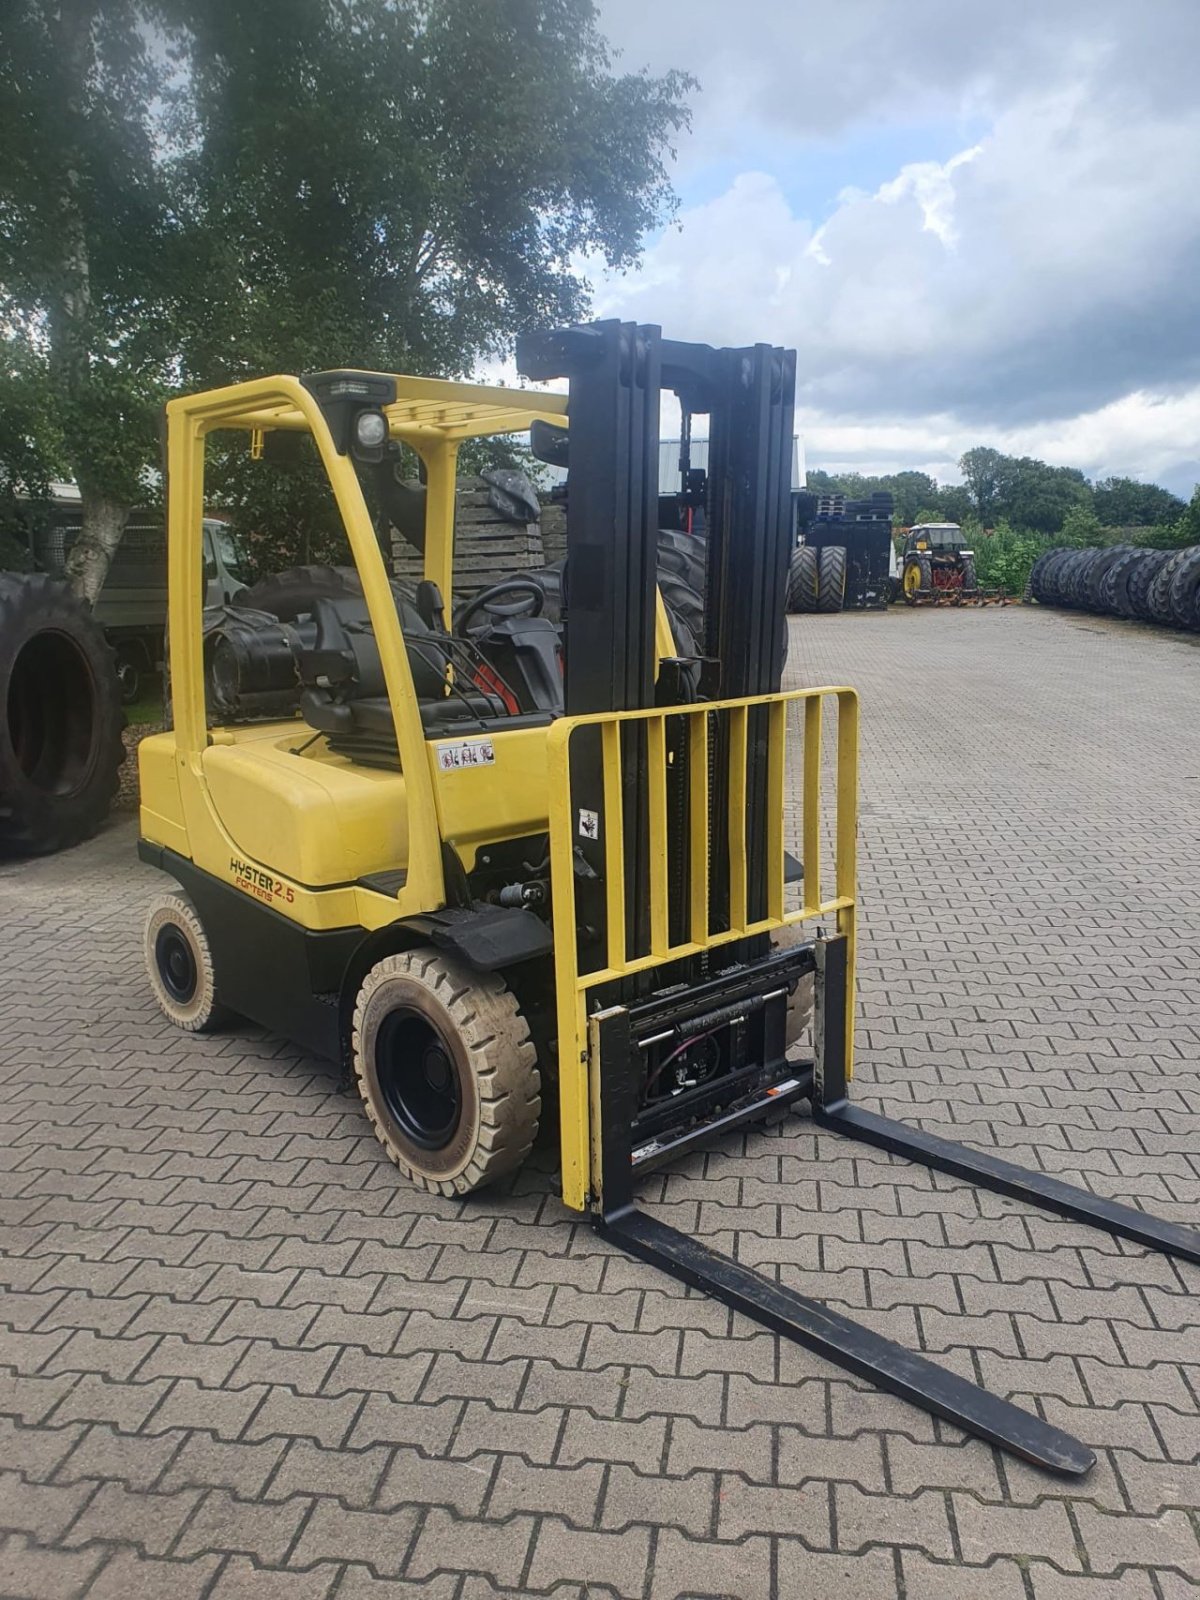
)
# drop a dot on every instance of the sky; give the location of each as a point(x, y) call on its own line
point(977, 223)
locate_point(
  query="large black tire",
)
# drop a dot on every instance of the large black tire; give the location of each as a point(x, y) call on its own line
point(1056, 576)
point(1039, 573)
point(1114, 590)
point(1161, 609)
point(684, 554)
point(831, 584)
point(1107, 602)
point(1143, 575)
point(804, 579)
point(685, 612)
point(969, 581)
point(446, 1070)
point(1074, 577)
point(61, 722)
point(1185, 589)
point(1043, 579)
point(1092, 593)
point(291, 593)
point(681, 558)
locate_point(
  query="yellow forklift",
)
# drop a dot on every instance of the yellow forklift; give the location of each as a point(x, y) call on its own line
point(488, 855)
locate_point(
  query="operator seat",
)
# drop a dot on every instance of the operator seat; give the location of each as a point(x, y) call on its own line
point(345, 696)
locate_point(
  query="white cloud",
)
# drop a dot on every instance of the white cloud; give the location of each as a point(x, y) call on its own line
point(930, 184)
point(1038, 290)
point(1141, 436)
point(1041, 285)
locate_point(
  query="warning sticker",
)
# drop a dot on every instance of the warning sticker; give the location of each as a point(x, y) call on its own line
point(466, 753)
point(589, 824)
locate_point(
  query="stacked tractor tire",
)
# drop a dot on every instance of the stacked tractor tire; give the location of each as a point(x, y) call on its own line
point(817, 578)
point(1122, 580)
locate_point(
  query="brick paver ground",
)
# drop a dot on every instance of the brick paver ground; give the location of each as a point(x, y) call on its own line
point(243, 1360)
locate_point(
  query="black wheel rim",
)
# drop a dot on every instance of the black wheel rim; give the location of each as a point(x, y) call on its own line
point(418, 1079)
point(176, 963)
point(129, 679)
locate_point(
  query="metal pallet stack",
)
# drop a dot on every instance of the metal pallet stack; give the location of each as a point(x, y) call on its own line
point(487, 545)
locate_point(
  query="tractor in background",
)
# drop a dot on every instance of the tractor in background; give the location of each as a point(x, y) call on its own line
point(938, 567)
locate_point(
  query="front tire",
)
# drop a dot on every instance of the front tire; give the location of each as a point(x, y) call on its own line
point(179, 964)
point(917, 576)
point(798, 1026)
point(446, 1069)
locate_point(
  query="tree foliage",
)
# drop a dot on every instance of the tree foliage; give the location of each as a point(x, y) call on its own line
point(1128, 503)
point(1004, 555)
point(407, 184)
point(195, 190)
point(85, 231)
point(1175, 535)
point(1022, 490)
point(31, 454)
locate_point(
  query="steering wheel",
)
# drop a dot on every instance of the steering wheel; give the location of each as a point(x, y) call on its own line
point(532, 597)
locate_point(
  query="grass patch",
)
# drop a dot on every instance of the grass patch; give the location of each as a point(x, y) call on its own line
point(148, 707)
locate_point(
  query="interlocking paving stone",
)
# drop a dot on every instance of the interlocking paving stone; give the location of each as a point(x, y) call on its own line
point(240, 1359)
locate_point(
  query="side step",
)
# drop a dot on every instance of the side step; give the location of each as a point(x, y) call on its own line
point(886, 1364)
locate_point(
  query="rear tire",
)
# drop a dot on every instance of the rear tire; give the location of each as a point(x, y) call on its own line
point(831, 586)
point(446, 1069)
point(130, 664)
point(803, 586)
point(179, 964)
point(969, 581)
point(60, 718)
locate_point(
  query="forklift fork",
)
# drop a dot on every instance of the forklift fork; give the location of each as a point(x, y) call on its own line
point(806, 1321)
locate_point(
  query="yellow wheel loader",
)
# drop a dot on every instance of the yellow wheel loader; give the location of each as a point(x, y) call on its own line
point(479, 854)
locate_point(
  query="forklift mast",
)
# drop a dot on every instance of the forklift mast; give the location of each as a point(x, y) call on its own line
point(617, 371)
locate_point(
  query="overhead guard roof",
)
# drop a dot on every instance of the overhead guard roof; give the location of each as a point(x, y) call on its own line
point(423, 407)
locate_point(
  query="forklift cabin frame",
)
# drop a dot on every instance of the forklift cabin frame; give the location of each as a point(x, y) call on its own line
point(434, 418)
